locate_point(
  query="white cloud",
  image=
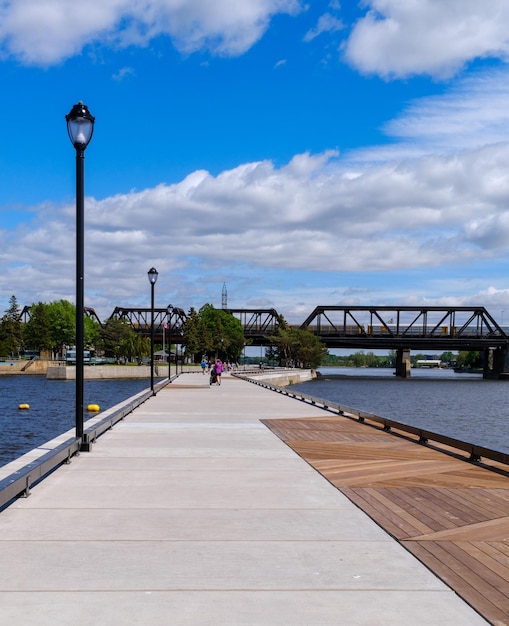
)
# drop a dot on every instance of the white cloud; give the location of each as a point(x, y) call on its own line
point(327, 23)
point(338, 218)
point(44, 32)
point(305, 216)
point(472, 114)
point(398, 38)
point(123, 73)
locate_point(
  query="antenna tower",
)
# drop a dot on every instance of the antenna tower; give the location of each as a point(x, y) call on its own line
point(224, 297)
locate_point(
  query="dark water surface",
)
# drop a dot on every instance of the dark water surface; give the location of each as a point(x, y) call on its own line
point(459, 405)
point(463, 406)
point(52, 408)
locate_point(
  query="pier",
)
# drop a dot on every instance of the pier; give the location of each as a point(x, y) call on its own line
point(236, 505)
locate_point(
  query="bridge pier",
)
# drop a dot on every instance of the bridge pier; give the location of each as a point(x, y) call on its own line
point(403, 365)
point(496, 363)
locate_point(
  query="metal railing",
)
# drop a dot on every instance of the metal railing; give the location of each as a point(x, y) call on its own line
point(22, 480)
point(476, 453)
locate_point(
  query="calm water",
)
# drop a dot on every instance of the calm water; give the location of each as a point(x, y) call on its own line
point(458, 405)
point(52, 408)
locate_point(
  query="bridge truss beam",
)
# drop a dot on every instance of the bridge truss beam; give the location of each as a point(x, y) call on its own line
point(258, 324)
point(164, 322)
point(385, 327)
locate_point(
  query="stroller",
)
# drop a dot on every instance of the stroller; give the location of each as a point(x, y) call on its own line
point(213, 376)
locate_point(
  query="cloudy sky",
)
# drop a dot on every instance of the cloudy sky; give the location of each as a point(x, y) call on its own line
point(305, 154)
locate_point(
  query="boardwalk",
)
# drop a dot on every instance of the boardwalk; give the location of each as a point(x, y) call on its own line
point(192, 511)
point(453, 515)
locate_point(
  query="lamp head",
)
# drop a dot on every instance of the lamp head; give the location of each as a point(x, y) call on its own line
point(80, 126)
point(152, 275)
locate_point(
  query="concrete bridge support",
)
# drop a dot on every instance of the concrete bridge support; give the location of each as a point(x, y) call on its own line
point(496, 363)
point(403, 362)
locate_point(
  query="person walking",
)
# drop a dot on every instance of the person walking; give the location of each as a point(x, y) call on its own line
point(219, 370)
point(203, 366)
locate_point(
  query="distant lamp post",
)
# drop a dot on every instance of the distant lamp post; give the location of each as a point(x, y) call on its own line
point(170, 311)
point(80, 126)
point(152, 279)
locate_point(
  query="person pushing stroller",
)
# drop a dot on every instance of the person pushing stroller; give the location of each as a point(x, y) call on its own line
point(215, 373)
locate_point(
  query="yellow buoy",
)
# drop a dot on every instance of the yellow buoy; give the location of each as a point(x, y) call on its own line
point(24, 407)
point(93, 408)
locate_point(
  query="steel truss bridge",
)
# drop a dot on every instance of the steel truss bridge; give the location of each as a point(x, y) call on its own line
point(419, 328)
point(401, 328)
point(413, 328)
point(169, 322)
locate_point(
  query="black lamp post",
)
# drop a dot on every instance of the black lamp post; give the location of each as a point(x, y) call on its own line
point(170, 310)
point(152, 278)
point(80, 126)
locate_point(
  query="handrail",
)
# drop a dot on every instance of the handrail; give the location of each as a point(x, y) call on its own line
point(19, 482)
point(476, 452)
point(29, 363)
point(110, 418)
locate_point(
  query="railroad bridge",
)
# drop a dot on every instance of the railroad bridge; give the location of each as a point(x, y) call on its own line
point(402, 329)
point(408, 328)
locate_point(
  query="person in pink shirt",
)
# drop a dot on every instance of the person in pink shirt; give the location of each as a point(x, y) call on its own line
point(219, 370)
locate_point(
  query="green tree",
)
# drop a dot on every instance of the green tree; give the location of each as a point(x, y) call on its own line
point(62, 315)
point(285, 347)
point(53, 327)
point(469, 359)
point(37, 331)
point(358, 359)
point(92, 330)
point(119, 340)
point(298, 347)
point(11, 330)
point(448, 357)
point(215, 333)
point(197, 336)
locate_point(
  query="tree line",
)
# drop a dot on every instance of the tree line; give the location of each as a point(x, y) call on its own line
point(214, 333)
point(209, 332)
point(51, 329)
point(462, 360)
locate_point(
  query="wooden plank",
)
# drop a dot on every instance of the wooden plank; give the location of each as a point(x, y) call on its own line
point(450, 513)
point(391, 522)
point(458, 509)
point(489, 556)
point(478, 500)
point(449, 571)
point(382, 501)
point(501, 546)
point(490, 530)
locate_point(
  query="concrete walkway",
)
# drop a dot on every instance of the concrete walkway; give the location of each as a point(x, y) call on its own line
point(192, 512)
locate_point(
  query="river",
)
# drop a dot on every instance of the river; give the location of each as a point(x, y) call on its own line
point(463, 406)
point(52, 408)
point(459, 405)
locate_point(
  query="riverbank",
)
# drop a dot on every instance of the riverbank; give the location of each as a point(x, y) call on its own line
point(280, 378)
point(57, 370)
point(54, 370)
point(99, 372)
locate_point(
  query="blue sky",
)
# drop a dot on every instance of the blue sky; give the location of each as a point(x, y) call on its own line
point(304, 154)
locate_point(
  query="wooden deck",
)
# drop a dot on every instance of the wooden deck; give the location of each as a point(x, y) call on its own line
point(453, 515)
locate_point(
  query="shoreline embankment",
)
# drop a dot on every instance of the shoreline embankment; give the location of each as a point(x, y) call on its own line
point(59, 371)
